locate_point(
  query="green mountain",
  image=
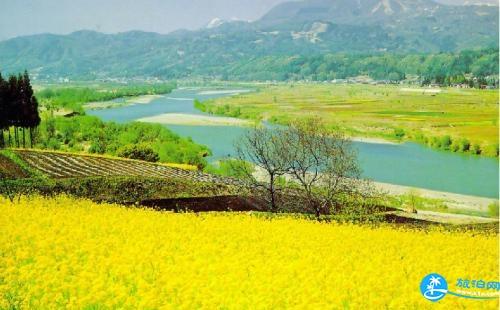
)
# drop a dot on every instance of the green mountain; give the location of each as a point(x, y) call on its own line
point(311, 27)
point(407, 25)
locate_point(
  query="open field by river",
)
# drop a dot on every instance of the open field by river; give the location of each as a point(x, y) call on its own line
point(468, 116)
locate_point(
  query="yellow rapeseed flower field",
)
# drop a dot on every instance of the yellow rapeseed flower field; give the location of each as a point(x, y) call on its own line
point(67, 253)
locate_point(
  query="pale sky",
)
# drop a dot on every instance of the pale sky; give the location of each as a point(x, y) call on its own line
point(25, 17)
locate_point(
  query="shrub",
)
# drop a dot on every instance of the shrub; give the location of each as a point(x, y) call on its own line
point(97, 147)
point(491, 150)
point(53, 144)
point(230, 168)
point(445, 142)
point(413, 201)
point(399, 133)
point(476, 149)
point(139, 151)
point(460, 145)
point(200, 105)
point(493, 209)
point(420, 137)
point(236, 112)
point(463, 145)
point(435, 142)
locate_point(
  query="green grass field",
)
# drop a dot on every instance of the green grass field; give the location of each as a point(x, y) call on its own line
point(461, 120)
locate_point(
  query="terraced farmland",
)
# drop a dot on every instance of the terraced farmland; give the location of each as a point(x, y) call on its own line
point(65, 165)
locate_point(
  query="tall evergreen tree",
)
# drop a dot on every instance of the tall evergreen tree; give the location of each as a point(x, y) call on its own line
point(3, 116)
point(32, 119)
point(16, 106)
point(25, 94)
point(18, 109)
point(11, 112)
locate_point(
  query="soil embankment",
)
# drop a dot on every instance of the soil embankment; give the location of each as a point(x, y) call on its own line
point(10, 170)
point(205, 204)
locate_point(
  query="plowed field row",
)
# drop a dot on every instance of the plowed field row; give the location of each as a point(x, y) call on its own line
point(59, 165)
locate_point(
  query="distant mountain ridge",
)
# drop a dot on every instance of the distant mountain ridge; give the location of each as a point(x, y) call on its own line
point(311, 27)
point(346, 11)
point(470, 2)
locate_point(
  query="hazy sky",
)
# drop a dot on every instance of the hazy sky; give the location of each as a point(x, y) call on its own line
point(22, 17)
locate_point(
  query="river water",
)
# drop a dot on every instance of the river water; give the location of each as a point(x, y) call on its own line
point(407, 164)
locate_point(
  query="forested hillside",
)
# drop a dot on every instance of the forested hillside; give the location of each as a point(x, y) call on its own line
point(375, 34)
point(443, 68)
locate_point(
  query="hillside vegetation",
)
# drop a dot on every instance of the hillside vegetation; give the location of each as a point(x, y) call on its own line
point(59, 123)
point(460, 120)
point(65, 127)
point(92, 135)
point(67, 253)
point(472, 68)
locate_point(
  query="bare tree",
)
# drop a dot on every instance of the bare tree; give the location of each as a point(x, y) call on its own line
point(264, 148)
point(319, 164)
point(324, 164)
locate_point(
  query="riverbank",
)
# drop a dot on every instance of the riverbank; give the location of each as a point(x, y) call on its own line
point(143, 99)
point(194, 120)
point(224, 92)
point(429, 203)
point(446, 218)
point(372, 140)
point(452, 200)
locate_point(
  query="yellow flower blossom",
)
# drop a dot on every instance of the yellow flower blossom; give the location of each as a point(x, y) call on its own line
point(68, 253)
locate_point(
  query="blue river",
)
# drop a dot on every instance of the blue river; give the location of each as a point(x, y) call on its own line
point(407, 164)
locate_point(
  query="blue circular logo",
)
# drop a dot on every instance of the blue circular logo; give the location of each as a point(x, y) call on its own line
point(434, 287)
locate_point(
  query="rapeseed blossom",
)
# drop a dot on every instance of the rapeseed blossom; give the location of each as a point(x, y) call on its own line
point(68, 253)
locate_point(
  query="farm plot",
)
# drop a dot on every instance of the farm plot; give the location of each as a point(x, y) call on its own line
point(65, 165)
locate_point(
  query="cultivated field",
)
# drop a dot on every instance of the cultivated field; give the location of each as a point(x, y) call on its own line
point(66, 165)
point(60, 165)
point(468, 116)
point(64, 253)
